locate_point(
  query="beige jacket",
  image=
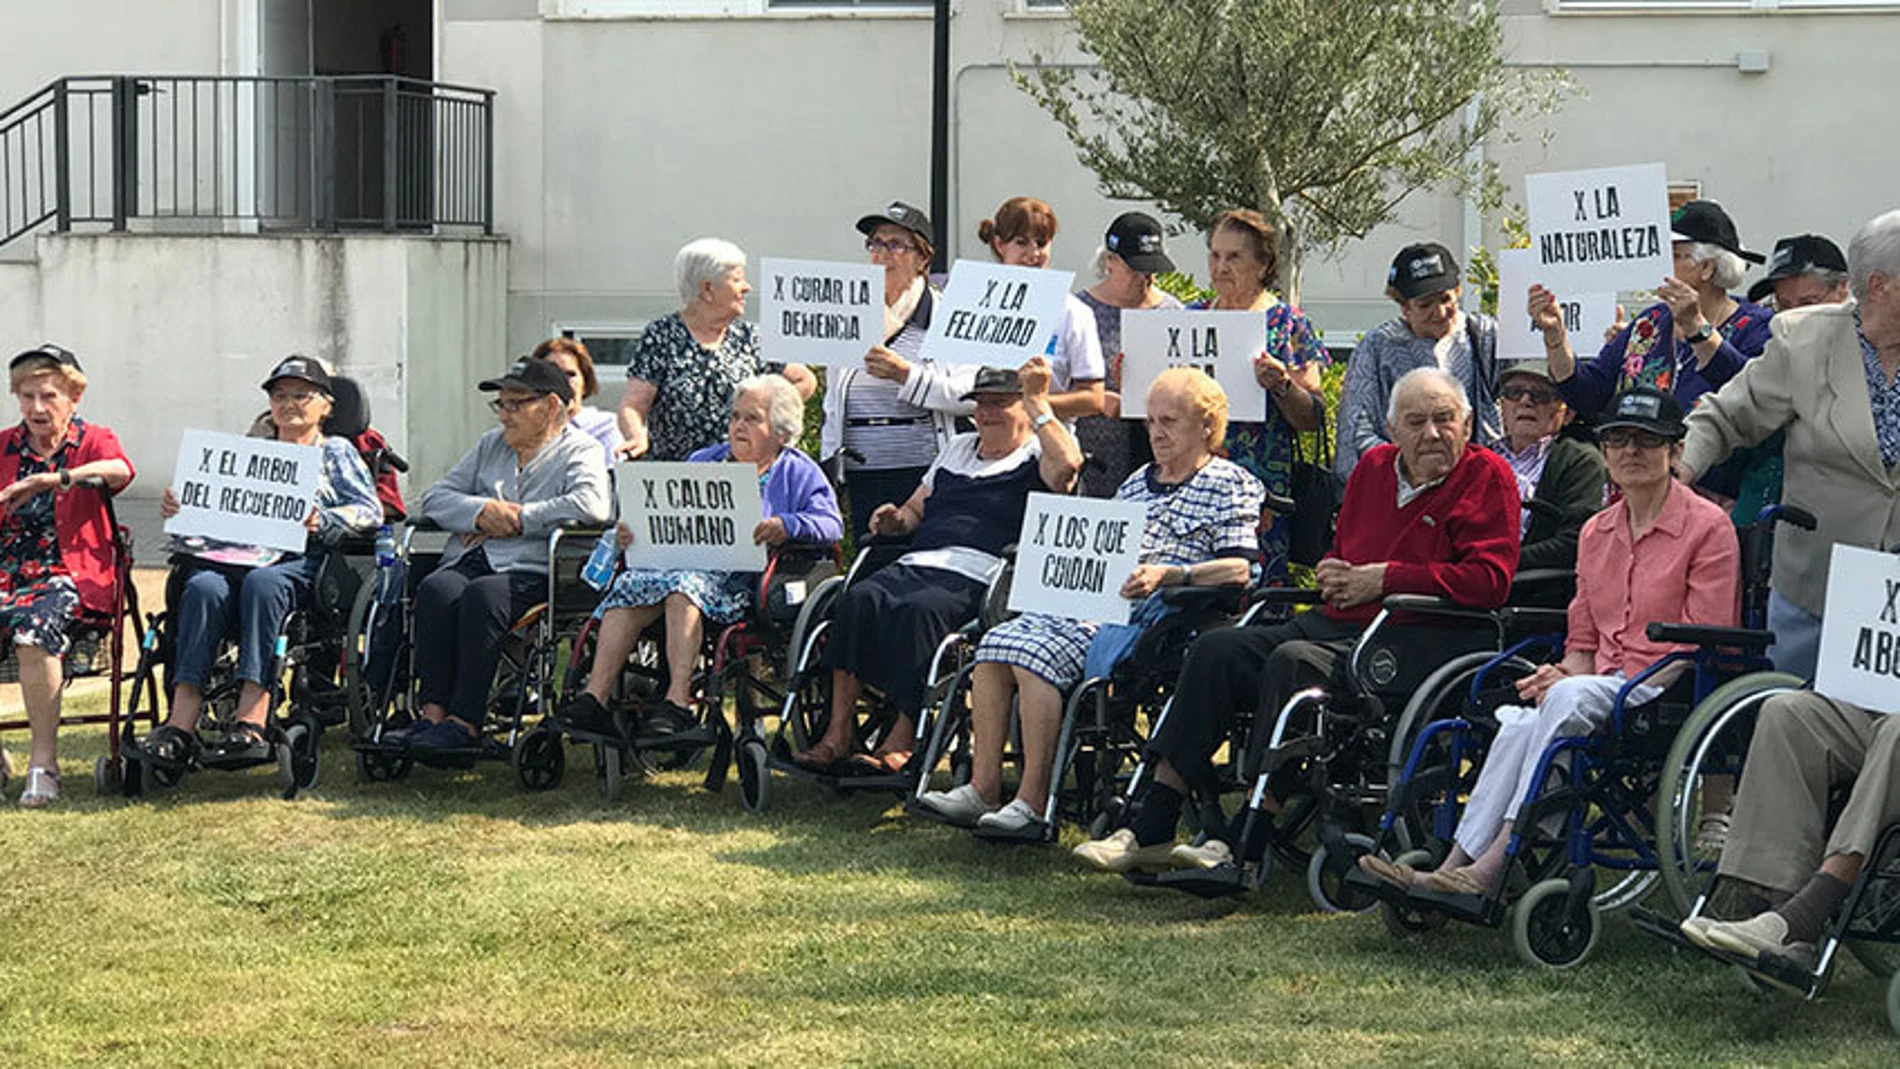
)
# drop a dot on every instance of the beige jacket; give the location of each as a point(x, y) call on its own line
point(1812, 381)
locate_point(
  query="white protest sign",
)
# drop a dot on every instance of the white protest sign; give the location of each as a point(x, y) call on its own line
point(249, 491)
point(695, 516)
point(995, 314)
point(1223, 344)
point(1073, 556)
point(815, 312)
point(1860, 630)
point(1601, 230)
point(1586, 315)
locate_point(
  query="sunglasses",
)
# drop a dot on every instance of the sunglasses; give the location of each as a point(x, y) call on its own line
point(1537, 395)
point(1625, 437)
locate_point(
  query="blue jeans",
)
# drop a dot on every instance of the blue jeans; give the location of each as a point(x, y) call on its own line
point(1797, 636)
point(250, 602)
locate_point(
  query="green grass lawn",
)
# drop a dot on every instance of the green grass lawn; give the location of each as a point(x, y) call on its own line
point(453, 919)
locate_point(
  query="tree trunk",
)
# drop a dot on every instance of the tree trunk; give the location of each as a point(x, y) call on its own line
point(1292, 267)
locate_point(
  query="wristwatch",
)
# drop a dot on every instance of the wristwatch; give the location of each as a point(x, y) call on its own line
point(1038, 423)
point(1285, 387)
point(1702, 334)
point(65, 479)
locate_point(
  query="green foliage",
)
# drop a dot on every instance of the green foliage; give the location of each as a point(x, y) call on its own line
point(1182, 287)
point(1321, 114)
point(1482, 271)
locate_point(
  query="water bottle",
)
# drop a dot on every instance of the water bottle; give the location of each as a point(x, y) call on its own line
point(387, 587)
point(599, 570)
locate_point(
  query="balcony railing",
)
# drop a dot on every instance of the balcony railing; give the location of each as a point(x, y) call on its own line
point(193, 154)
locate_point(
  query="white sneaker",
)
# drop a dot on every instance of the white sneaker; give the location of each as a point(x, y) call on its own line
point(1765, 933)
point(961, 806)
point(1014, 821)
point(1120, 853)
point(1210, 854)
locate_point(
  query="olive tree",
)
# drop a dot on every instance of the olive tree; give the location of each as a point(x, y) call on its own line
point(1323, 115)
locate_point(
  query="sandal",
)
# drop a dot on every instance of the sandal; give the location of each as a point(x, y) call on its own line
point(42, 788)
point(1403, 877)
point(821, 756)
point(244, 742)
point(890, 761)
point(172, 745)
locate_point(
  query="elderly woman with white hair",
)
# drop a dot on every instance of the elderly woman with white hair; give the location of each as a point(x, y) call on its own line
point(686, 364)
point(800, 509)
point(1691, 341)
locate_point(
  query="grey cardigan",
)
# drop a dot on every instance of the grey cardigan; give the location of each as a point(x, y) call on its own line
point(563, 484)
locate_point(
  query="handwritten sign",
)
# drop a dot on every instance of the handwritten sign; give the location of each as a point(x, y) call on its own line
point(249, 491)
point(1600, 230)
point(1859, 660)
point(1223, 344)
point(696, 516)
point(1586, 316)
point(1073, 556)
point(995, 314)
point(814, 312)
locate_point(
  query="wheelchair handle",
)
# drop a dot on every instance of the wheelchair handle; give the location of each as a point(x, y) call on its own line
point(1747, 638)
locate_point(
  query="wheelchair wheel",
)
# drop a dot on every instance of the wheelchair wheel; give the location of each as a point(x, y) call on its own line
point(755, 776)
point(540, 760)
point(1403, 921)
point(1328, 888)
point(297, 757)
point(108, 777)
point(1711, 743)
point(1883, 869)
point(1445, 694)
point(612, 762)
point(1545, 932)
point(1893, 1003)
point(381, 766)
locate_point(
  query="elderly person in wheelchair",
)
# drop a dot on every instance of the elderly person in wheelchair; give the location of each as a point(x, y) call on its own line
point(800, 510)
point(968, 509)
point(533, 473)
point(1431, 514)
point(1661, 553)
point(249, 590)
point(1202, 529)
point(56, 542)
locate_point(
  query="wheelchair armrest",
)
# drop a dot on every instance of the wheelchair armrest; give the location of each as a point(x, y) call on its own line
point(1747, 638)
point(1280, 506)
point(1205, 599)
point(424, 523)
point(1541, 578)
point(350, 543)
point(1284, 595)
point(1433, 605)
point(1524, 618)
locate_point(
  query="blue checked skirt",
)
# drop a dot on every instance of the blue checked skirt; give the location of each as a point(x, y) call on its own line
point(722, 597)
point(1049, 646)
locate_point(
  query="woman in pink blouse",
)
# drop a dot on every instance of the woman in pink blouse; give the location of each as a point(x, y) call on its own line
point(1660, 553)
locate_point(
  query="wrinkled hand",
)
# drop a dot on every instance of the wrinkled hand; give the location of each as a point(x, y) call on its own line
point(1683, 310)
point(1346, 585)
point(314, 520)
point(1545, 314)
point(1035, 377)
point(632, 448)
point(623, 536)
point(1111, 404)
point(882, 363)
point(1269, 372)
point(1145, 580)
point(499, 519)
point(168, 504)
point(1533, 687)
point(1622, 320)
point(886, 519)
point(29, 487)
point(770, 533)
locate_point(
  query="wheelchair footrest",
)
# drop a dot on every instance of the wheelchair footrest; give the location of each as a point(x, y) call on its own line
point(1221, 881)
point(1481, 910)
point(1771, 969)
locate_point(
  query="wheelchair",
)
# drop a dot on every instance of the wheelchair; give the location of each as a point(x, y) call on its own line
point(1102, 731)
point(97, 648)
point(1589, 810)
point(804, 705)
point(380, 672)
point(733, 664)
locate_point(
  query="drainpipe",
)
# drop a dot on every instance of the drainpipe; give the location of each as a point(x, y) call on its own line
point(940, 132)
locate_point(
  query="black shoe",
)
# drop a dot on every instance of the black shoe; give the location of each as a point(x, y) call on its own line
point(171, 746)
point(243, 742)
point(447, 735)
point(585, 713)
point(667, 719)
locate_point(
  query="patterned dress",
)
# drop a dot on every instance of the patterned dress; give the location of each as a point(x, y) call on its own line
point(1213, 514)
point(1266, 449)
point(694, 383)
point(38, 599)
point(1115, 447)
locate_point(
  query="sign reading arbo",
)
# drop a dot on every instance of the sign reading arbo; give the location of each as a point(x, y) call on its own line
point(1223, 344)
point(1586, 315)
point(996, 314)
point(1601, 230)
point(1860, 630)
point(814, 312)
point(1073, 556)
point(691, 516)
point(250, 491)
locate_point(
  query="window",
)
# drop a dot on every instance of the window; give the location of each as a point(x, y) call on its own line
point(829, 4)
point(610, 344)
point(608, 9)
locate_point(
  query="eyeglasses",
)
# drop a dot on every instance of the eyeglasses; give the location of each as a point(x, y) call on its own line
point(1624, 438)
point(1536, 395)
point(511, 406)
point(876, 245)
point(300, 398)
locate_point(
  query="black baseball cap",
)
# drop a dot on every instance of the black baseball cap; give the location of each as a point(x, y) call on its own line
point(1647, 409)
point(532, 376)
point(1797, 256)
point(1423, 269)
point(994, 380)
point(1705, 222)
point(1136, 238)
point(302, 368)
point(59, 355)
point(899, 214)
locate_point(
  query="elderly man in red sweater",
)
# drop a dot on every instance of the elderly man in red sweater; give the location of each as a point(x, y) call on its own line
point(1428, 514)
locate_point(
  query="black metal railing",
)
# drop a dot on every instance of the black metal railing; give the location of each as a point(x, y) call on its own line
point(187, 152)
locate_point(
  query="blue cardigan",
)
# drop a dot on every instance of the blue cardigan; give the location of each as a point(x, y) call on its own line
point(796, 491)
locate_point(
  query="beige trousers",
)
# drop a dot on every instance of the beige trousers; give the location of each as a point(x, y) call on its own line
point(1804, 746)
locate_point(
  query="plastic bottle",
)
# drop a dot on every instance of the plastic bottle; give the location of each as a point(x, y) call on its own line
point(599, 570)
point(387, 587)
